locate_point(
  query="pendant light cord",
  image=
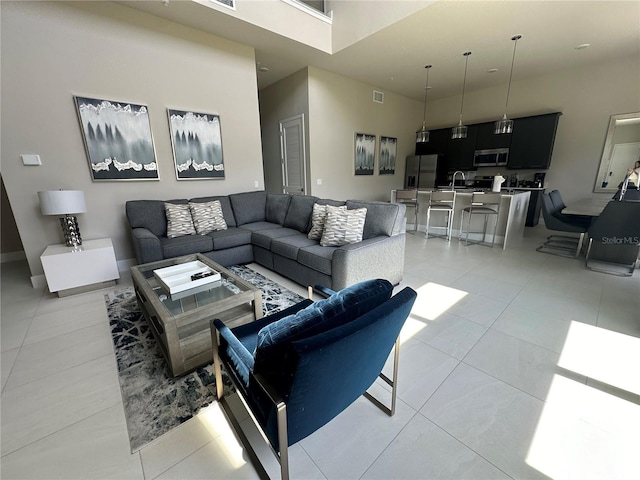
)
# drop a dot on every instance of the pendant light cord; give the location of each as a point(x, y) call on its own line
point(426, 91)
point(464, 82)
point(513, 59)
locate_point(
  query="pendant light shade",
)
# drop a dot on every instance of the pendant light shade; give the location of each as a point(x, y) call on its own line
point(506, 125)
point(422, 135)
point(461, 130)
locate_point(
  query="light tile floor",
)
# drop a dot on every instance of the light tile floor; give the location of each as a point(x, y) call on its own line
point(514, 364)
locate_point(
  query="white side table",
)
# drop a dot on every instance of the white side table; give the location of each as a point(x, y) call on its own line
point(71, 270)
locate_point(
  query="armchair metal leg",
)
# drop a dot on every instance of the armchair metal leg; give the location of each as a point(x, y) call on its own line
point(217, 367)
point(393, 383)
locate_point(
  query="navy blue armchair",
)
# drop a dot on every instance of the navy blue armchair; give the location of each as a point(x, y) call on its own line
point(298, 369)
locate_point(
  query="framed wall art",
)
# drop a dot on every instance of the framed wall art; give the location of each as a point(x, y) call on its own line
point(197, 145)
point(365, 153)
point(117, 138)
point(387, 155)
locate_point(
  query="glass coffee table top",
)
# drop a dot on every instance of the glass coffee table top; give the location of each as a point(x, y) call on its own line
point(228, 286)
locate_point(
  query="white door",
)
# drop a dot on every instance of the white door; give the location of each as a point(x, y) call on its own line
point(292, 155)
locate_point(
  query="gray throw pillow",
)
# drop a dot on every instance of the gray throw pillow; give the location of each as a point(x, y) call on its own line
point(179, 221)
point(343, 226)
point(207, 217)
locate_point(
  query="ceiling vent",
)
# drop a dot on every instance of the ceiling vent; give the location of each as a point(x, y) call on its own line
point(378, 97)
point(226, 3)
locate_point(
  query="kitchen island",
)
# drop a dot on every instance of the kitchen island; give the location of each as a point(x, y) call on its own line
point(511, 220)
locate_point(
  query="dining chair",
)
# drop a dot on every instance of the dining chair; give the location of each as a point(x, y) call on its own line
point(409, 198)
point(441, 202)
point(487, 205)
point(559, 206)
point(614, 239)
point(562, 245)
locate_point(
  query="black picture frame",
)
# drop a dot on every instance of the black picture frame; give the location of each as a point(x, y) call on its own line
point(117, 139)
point(364, 154)
point(196, 139)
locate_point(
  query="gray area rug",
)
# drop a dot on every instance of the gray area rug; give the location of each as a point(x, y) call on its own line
point(155, 402)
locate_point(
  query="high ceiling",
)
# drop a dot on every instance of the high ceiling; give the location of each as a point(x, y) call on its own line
point(393, 59)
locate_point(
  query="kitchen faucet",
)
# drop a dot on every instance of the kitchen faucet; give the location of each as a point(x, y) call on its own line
point(453, 179)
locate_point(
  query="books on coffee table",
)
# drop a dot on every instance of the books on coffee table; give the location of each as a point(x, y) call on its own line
point(184, 277)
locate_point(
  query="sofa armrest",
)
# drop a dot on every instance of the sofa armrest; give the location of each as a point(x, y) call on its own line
point(377, 257)
point(146, 245)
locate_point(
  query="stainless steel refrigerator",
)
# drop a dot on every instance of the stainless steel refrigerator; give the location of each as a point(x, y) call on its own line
point(421, 171)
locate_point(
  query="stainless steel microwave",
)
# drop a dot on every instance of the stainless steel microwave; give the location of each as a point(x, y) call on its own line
point(491, 158)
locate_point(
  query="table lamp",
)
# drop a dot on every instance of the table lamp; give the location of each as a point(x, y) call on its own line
point(65, 204)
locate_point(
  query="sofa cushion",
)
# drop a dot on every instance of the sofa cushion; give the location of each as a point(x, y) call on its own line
point(340, 308)
point(179, 221)
point(276, 207)
point(186, 245)
point(333, 203)
point(229, 238)
point(289, 246)
point(248, 207)
point(227, 211)
point(317, 257)
point(149, 214)
point(257, 226)
point(299, 213)
point(207, 216)
point(263, 238)
point(382, 218)
point(343, 226)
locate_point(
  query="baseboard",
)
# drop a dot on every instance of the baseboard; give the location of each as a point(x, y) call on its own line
point(12, 256)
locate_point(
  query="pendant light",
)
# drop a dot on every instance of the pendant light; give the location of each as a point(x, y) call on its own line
point(422, 135)
point(506, 125)
point(461, 130)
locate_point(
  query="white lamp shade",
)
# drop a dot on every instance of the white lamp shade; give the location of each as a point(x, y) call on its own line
point(62, 202)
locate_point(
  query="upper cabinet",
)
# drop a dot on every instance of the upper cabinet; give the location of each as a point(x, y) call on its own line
point(489, 140)
point(532, 141)
point(460, 151)
point(437, 144)
point(530, 145)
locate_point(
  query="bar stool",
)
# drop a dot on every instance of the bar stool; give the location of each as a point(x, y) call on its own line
point(441, 202)
point(410, 199)
point(486, 204)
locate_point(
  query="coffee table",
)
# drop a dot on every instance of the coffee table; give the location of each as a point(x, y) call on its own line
point(181, 325)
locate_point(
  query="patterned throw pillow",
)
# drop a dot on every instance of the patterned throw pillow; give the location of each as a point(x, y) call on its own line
point(318, 217)
point(207, 216)
point(343, 226)
point(179, 222)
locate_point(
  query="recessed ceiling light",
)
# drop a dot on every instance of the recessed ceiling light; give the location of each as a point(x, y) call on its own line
point(492, 70)
point(263, 69)
point(582, 46)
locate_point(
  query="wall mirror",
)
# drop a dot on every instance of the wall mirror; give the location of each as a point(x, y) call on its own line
point(621, 150)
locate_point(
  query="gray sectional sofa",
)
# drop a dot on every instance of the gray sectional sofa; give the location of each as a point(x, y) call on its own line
point(271, 230)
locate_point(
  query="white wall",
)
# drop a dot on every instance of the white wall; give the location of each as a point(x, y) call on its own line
point(52, 51)
point(338, 108)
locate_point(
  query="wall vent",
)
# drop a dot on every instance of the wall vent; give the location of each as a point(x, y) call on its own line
point(227, 3)
point(378, 97)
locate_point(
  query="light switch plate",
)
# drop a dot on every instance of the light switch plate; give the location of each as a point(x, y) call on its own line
point(32, 160)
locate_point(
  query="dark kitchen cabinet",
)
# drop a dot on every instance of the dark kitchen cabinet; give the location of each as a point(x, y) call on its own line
point(437, 143)
point(532, 141)
point(460, 151)
point(489, 140)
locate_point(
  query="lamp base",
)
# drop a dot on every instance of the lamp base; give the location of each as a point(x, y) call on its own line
point(71, 231)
